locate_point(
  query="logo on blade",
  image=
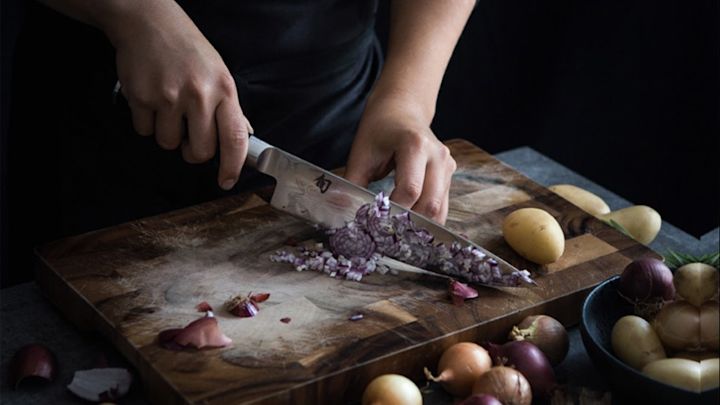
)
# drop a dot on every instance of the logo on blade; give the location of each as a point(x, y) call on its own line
point(322, 183)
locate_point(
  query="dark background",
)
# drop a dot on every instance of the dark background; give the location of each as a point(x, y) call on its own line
point(625, 93)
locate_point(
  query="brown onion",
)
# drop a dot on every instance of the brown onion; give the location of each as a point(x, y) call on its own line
point(646, 279)
point(33, 360)
point(506, 384)
point(678, 326)
point(481, 399)
point(710, 325)
point(546, 333)
point(459, 367)
point(391, 389)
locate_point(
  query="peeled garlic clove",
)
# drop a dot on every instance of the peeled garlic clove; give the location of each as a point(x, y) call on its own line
point(33, 360)
point(101, 384)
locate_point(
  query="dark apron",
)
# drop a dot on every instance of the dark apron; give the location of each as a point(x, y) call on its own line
point(307, 102)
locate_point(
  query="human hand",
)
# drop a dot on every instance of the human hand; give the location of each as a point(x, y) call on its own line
point(171, 73)
point(394, 133)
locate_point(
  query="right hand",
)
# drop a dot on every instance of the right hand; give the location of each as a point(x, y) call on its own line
point(170, 72)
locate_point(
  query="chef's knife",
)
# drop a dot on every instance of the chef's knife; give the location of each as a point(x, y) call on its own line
point(321, 197)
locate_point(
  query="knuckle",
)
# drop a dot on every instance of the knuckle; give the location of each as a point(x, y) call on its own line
point(169, 95)
point(196, 89)
point(452, 164)
point(433, 207)
point(411, 190)
point(226, 85)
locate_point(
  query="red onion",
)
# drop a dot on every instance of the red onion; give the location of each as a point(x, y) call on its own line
point(546, 333)
point(645, 280)
point(481, 399)
point(460, 292)
point(529, 360)
point(200, 333)
point(33, 360)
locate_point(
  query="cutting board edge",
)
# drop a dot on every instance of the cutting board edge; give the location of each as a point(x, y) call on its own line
point(69, 302)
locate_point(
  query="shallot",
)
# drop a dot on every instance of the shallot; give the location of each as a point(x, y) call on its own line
point(33, 360)
point(546, 333)
point(392, 389)
point(646, 280)
point(530, 361)
point(506, 384)
point(459, 367)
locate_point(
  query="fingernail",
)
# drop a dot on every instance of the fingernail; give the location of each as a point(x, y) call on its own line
point(228, 184)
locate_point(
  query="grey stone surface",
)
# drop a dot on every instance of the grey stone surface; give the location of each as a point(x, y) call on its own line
point(27, 317)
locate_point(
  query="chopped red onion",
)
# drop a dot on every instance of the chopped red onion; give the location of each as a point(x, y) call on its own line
point(460, 292)
point(285, 320)
point(356, 317)
point(356, 248)
point(242, 307)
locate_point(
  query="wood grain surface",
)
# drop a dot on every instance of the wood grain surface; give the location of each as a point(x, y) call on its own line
point(131, 281)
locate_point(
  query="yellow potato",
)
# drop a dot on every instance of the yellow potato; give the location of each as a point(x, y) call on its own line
point(709, 374)
point(681, 373)
point(642, 222)
point(534, 234)
point(584, 199)
point(635, 342)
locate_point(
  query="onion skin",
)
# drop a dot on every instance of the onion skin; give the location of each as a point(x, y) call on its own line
point(391, 389)
point(546, 333)
point(678, 326)
point(459, 367)
point(696, 282)
point(33, 360)
point(530, 361)
point(481, 399)
point(710, 325)
point(506, 384)
point(646, 279)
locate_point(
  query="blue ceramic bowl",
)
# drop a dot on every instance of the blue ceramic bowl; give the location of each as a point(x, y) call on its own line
point(602, 308)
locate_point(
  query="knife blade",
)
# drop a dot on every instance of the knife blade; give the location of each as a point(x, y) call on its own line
point(314, 194)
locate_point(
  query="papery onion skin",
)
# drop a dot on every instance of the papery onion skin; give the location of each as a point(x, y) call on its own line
point(391, 389)
point(506, 384)
point(646, 279)
point(459, 367)
point(678, 326)
point(481, 399)
point(530, 361)
point(545, 332)
point(32, 360)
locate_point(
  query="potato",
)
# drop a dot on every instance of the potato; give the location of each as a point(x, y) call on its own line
point(681, 373)
point(642, 222)
point(696, 282)
point(534, 234)
point(709, 374)
point(584, 199)
point(696, 356)
point(710, 325)
point(635, 342)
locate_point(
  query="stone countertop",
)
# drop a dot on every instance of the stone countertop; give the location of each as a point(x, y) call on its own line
point(27, 317)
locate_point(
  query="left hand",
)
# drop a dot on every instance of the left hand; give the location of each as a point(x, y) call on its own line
point(394, 133)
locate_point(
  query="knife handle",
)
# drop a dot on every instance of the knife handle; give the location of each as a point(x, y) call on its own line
point(256, 147)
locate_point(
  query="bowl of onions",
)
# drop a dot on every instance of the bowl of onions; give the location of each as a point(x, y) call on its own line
point(626, 350)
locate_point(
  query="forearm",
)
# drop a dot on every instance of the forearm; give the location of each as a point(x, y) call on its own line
point(423, 35)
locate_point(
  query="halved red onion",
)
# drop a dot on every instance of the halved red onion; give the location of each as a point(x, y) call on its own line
point(200, 333)
point(242, 307)
point(33, 360)
point(101, 384)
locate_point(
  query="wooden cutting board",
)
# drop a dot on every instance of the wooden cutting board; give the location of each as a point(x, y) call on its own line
point(134, 280)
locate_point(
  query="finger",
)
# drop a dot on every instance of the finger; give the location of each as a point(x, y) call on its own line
point(358, 170)
point(202, 134)
point(434, 192)
point(168, 128)
point(233, 132)
point(409, 178)
point(143, 119)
